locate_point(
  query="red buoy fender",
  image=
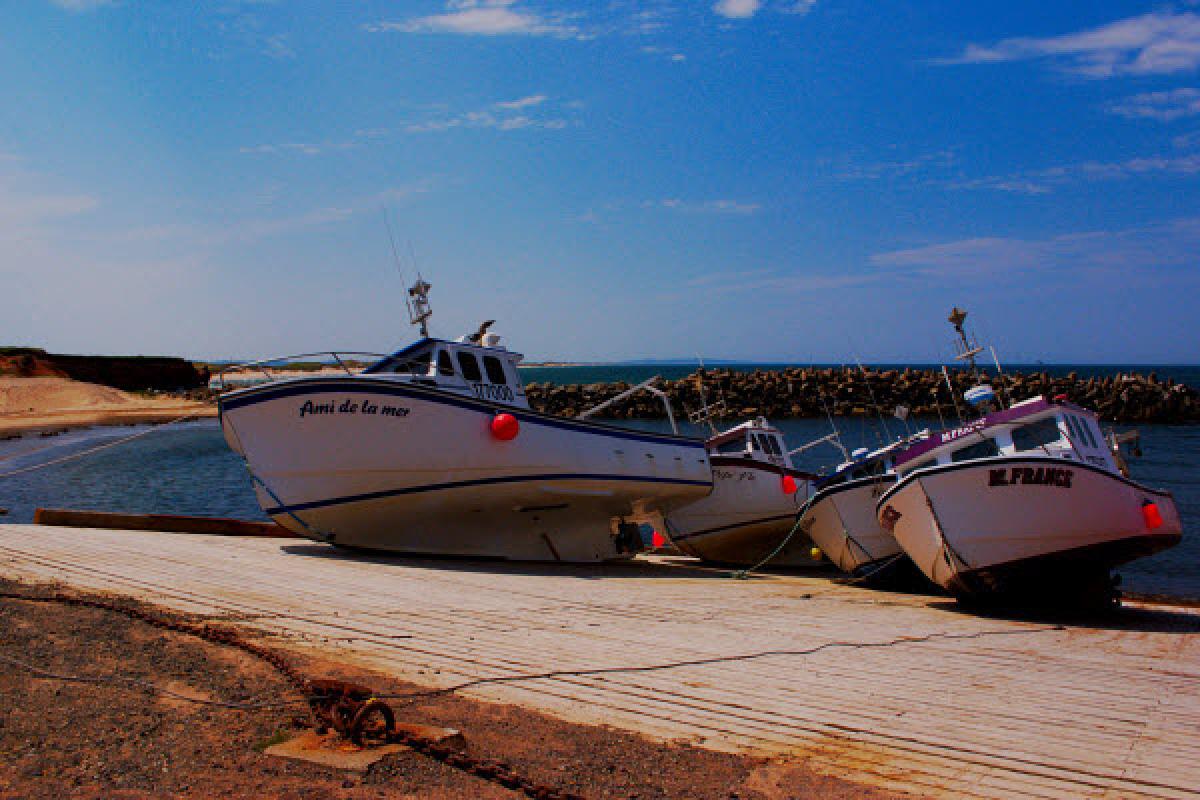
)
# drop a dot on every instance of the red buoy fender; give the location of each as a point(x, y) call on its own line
point(789, 485)
point(505, 427)
point(1152, 515)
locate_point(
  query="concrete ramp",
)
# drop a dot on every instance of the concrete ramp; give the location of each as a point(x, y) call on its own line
point(901, 691)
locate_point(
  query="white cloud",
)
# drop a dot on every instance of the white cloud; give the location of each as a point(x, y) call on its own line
point(671, 55)
point(509, 115)
point(1162, 106)
point(737, 9)
point(506, 115)
point(524, 102)
point(941, 159)
point(1187, 141)
point(1156, 43)
point(482, 18)
point(1045, 180)
point(734, 207)
point(1162, 245)
point(25, 204)
point(81, 5)
point(775, 280)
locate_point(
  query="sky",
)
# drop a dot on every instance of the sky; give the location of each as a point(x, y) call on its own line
point(765, 180)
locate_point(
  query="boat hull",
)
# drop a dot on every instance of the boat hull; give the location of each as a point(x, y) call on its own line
point(841, 520)
point(377, 464)
point(747, 516)
point(1023, 524)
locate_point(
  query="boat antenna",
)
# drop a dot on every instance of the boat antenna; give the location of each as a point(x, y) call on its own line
point(1000, 374)
point(706, 413)
point(400, 268)
point(878, 411)
point(953, 396)
point(837, 435)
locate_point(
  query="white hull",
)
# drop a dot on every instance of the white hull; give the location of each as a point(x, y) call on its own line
point(841, 521)
point(1012, 522)
point(429, 477)
point(745, 518)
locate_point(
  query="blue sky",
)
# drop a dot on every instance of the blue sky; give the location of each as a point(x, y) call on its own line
point(751, 179)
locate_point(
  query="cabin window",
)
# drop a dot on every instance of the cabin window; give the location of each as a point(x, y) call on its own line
point(984, 449)
point(736, 447)
point(418, 365)
point(755, 444)
point(1036, 434)
point(769, 445)
point(1088, 425)
point(495, 370)
point(869, 469)
point(776, 450)
point(445, 365)
point(469, 365)
point(1075, 433)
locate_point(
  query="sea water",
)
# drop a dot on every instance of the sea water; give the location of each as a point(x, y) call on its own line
point(188, 469)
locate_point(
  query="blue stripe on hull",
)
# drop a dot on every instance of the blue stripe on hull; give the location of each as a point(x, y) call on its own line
point(747, 524)
point(435, 487)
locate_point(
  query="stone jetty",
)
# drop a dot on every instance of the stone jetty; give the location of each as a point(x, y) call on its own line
point(851, 392)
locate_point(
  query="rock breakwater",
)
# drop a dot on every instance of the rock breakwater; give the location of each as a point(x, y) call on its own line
point(850, 392)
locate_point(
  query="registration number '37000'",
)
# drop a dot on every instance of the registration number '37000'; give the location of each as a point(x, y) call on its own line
point(487, 391)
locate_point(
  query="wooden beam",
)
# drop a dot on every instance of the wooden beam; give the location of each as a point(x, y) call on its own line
point(167, 523)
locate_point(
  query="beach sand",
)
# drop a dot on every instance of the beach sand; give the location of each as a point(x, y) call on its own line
point(44, 404)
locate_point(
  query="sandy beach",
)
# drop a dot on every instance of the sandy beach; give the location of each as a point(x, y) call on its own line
point(45, 404)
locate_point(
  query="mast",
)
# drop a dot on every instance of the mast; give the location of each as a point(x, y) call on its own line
point(967, 350)
point(981, 395)
point(419, 310)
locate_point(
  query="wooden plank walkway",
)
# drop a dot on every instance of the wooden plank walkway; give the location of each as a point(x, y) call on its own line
point(901, 691)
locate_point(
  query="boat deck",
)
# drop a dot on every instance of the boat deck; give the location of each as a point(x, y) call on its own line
point(902, 691)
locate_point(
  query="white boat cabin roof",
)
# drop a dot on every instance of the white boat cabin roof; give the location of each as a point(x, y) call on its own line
point(873, 464)
point(1037, 426)
point(486, 371)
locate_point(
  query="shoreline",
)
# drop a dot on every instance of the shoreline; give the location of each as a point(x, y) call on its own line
point(50, 423)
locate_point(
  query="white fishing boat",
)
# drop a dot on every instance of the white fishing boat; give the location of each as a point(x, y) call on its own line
point(434, 450)
point(753, 506)
point(1023, 500)
point(841, 517)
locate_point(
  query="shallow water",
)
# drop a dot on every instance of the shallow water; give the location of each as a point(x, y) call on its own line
point(188, 469)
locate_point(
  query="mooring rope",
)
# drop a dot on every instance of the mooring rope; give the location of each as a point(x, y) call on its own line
point(90, 451)
point(743, 574)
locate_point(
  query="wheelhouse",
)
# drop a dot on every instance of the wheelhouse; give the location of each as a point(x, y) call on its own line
point(1036, 427)
point(486, 371)
point(756, 440)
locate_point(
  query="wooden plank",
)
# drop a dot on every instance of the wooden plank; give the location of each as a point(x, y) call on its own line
point(162, 523)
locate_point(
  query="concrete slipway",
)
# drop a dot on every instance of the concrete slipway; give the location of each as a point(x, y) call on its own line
point(902, 691)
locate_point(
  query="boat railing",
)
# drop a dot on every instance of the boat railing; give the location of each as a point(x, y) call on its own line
point(646, 385)
point(834, 439)
point(342, 359)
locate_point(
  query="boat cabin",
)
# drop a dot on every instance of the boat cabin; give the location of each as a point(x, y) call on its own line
point(756, 440)
point(482, 369)
point(1034, 427)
